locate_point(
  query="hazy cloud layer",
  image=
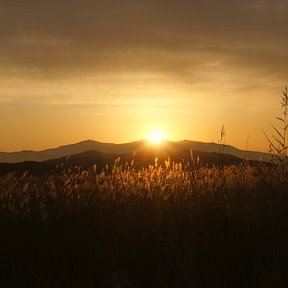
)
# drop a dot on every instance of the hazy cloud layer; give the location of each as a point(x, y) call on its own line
point(59, 38)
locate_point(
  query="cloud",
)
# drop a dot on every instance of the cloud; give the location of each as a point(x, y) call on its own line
point(66, 38)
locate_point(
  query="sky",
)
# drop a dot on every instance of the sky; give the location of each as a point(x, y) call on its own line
point(114, 70)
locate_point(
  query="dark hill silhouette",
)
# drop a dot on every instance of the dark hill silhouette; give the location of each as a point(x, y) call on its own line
point(55, 153)
point(142, 158)
point(127, 148)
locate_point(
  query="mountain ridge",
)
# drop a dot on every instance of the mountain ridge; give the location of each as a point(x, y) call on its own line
point(105, 161)
point(124, 148)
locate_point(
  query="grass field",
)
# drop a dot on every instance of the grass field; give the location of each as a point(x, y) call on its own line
point(160, 226)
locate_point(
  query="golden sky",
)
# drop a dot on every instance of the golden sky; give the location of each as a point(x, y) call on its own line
point(113, 70)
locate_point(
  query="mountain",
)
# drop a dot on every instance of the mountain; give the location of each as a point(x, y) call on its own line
point(143, 158)
point(84, 160)
point(218, 148)
point(54, 153)
point(127, 148)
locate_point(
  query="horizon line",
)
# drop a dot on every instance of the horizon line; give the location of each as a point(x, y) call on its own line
point(125, 143)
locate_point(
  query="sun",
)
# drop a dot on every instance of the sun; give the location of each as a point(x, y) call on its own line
point(156, 136)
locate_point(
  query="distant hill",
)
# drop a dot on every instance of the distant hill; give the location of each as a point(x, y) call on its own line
point(54, 153)
point(142, 158)
point(126, 148)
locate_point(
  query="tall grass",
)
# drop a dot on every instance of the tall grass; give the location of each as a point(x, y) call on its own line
point(278, 145)
point(167, 226)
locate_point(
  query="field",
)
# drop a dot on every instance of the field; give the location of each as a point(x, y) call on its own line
point(169, 225)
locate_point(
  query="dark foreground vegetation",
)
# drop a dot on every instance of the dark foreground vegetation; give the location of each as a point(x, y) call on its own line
point(162, 226)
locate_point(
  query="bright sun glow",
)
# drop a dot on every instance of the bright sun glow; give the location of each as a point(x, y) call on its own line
point(156, 136)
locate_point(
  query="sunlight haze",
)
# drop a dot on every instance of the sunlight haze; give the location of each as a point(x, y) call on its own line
point(106, 71)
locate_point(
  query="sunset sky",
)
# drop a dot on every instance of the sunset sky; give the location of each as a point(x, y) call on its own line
point(113, 70)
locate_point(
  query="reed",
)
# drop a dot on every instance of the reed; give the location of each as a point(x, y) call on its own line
point(168, 226)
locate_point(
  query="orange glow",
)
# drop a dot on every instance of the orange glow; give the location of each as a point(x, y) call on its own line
point(156, 136)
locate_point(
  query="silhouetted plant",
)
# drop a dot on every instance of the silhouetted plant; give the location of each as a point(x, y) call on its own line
point(278, 145)
point(222, 145)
